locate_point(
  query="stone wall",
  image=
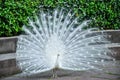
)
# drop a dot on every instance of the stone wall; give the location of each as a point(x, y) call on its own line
point(8, 44)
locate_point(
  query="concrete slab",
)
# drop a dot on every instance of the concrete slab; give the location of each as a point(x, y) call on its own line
point(8, 65)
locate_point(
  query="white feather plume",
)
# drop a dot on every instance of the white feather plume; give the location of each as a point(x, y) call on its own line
point(59, 40)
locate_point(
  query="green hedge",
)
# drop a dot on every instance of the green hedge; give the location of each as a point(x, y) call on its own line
point(104, 13)
point(13, 13)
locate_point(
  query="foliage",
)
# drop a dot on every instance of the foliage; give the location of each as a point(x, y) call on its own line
point(13, 14)
point(104, 13)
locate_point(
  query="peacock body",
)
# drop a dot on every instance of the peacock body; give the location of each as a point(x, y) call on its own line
point(58, 40)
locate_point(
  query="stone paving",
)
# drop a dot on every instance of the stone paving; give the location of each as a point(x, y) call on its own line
point(112, 73)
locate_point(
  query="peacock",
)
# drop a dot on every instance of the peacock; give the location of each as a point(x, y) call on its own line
point(57, 40)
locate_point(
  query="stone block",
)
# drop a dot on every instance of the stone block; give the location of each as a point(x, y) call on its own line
point(8, 44)
point(8, 67)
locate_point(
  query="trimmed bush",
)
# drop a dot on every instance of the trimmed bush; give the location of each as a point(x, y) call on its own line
point(104, 13)
point(14, 13)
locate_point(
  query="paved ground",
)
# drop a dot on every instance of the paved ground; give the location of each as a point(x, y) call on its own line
point(113, 73)
point(71, 76)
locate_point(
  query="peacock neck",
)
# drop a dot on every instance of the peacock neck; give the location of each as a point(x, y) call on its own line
point(57, 62)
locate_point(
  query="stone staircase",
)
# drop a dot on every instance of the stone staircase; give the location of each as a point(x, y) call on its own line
point(7, 56)
point(8, 65)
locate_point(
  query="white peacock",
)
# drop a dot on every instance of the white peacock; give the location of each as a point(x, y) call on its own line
point(58, 41)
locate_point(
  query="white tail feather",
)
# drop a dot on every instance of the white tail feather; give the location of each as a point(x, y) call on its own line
point(56, 35)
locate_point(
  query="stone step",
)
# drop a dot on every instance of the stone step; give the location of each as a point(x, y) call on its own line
point(8, 65)
point(116, 51)
point(113, 35)
point(9, 71)
point(7, 56)
point(8, 45)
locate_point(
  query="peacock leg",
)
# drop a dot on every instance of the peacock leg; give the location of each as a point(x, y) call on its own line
point(54, 73)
